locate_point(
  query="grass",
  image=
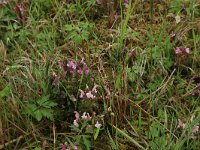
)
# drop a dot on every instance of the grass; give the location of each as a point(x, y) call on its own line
point(67, 80)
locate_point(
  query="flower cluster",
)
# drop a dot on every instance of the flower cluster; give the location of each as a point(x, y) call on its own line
point(74, 68)
point(85, 117)
point(91, 94)
point(179, 50)
point(65, 146)
point(195, 129)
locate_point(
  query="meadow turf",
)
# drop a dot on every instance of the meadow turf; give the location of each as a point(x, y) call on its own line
point(99, 75)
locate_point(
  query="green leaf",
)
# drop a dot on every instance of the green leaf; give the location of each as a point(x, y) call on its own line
point(68, 27)
point(48, 113)
point(5, 92)
point(42, 100)
point(96, 133)
point(86, 142)
point(37, 115)
point(49, 104)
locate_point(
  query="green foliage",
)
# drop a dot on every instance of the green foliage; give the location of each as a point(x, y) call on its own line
point(159, 138)
point(42, 108)
point(4, 92)
point(78, 33)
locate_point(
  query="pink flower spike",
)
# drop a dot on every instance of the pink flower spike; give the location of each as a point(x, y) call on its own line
point(195, 129)
point(76, 123)
point(80, 71)
point(77, 115)
point(86, 71)
point(177, 50)
point(71, 64)
point(187, 50)
point(90, 95)
point(180, 124)
point(82, 93)
point(84, 116)
point(88, 116)
point(98, 125)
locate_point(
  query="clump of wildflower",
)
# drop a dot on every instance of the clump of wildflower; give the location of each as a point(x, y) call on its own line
point(72, 64)
point(91, 94)
point(69, 147)
point(86, 116)
point(77, 118)
point(179, 50)
point(74, 68)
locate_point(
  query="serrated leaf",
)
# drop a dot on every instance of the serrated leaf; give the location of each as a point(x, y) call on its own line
point(42, 100)
point(48, 113)
point(86, 142)
point(37, 115)
point(49, 104)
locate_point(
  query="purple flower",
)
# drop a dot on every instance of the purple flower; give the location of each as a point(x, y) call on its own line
point(126, 3)
point(71, 64)
point(187, 50)
point(77, 115)
point(90, 95)
point(82, 93)
point(86, 71)
point(80, 71)
point(195, 129)
point(178, 50)
point(86, 116)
